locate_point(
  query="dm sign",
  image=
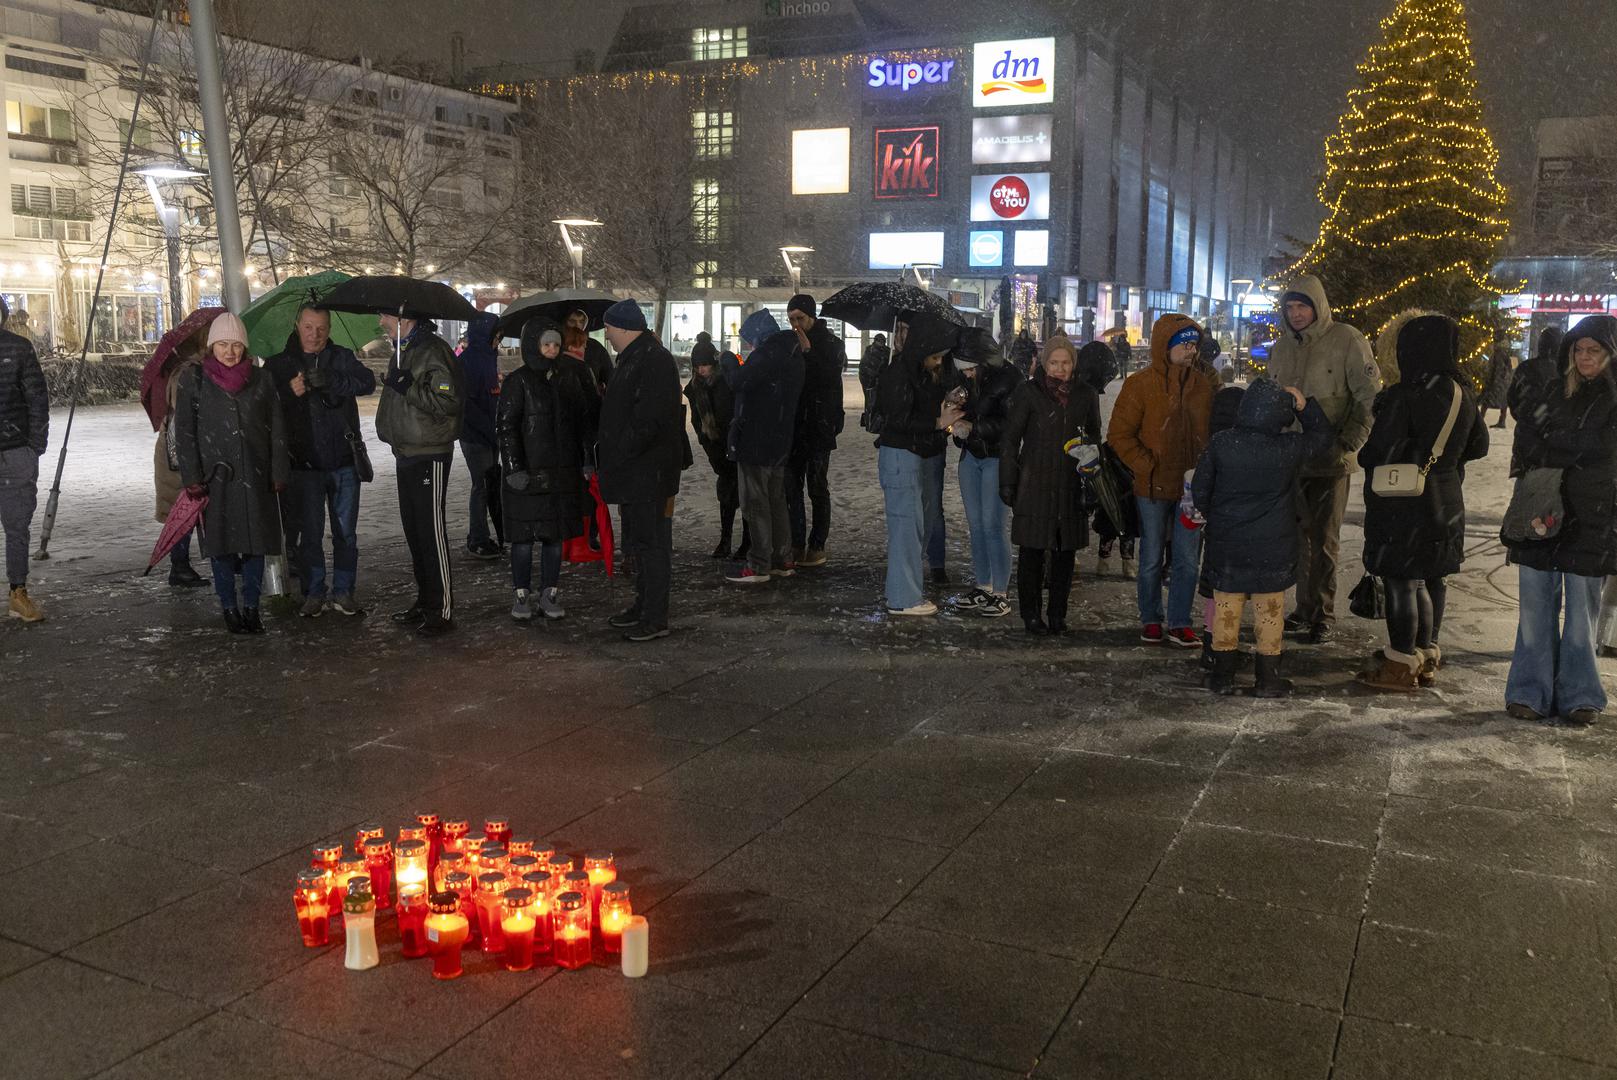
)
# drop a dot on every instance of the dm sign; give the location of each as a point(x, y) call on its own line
point(1013, 72)
point(903, 74)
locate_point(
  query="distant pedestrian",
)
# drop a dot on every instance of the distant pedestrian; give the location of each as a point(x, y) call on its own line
point(1121, 349)
point(1528, 383)
point(1040, 483)
point(1414, 544)
point(1024, 351)
point(419, 416)
point(231, 437)
point(24, 428)
point(871, 363)
point(990, 385)
point(767, 386)
point(1571, 426)
point(480, 380)
point(1245, 486)
point(712, 405)
point(819, 422)
point(596, 358)
point(641, 451)
point(166, 462)
point(546, 433)
point(1098, 368)
point(1158, 429)
point(318, 382)
point(1496, 386)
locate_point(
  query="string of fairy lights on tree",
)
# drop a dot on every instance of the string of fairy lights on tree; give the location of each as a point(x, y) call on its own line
point(1415, 209)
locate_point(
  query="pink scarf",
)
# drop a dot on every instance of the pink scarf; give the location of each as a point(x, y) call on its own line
point(228, 379)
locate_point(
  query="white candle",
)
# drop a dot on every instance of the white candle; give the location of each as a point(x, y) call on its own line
point(636, 947)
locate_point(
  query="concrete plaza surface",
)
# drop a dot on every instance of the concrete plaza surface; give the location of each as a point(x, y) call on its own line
point(932, 848)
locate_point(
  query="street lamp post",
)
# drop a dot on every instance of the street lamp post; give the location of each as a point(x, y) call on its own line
point(575, 251)
point(1240, 301)
point(170, 217)
point(920, 279)
point(793, 271)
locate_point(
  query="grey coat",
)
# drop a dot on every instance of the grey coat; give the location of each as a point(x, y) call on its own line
point(236, 444)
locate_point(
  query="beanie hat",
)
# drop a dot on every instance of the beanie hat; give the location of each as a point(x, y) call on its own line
point(1300, 298)
point(1190, 334)
point(805, 303)
point(551, 336)
point(227, 327)
point(703, 352)
point(704, 338)
point(759, 325)
point(625, 315)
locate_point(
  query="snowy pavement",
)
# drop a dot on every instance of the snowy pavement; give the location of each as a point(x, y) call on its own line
point(930, 848)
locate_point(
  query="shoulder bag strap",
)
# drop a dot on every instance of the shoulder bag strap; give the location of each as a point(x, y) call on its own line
point(1448, 429)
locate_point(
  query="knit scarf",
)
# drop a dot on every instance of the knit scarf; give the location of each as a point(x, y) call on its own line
point(229, 379)
point(1061, 391)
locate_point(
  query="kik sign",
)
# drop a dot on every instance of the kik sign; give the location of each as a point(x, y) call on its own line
point(906, 163)
point(1013, 72)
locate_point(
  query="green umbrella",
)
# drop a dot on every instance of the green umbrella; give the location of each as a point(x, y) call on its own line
point(271, 318)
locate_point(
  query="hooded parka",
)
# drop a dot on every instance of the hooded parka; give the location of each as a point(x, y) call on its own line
point(1159, 425)
point(543, 431)
point(1330, 362)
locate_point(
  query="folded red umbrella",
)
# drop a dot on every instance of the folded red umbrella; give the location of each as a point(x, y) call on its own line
point(182, 518)
point(151, 377)
point(579, 549)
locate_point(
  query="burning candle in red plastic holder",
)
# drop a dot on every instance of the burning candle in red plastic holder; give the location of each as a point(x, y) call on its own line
point(493, 858)
point(348, 868)
point(519, 845)
point(410, 879)
point(454, 831)
point(489, 897)
point(435, 837)
point(325, 856)
point(602, 871)
point(446, 932)
point(538, 882)
point(517, 926)
point(471, 846)
point(368, 831)
point(498, 830)
point(313, 902)
point(518, 867)
point(460, 883)
point(379, 868)
point(616, 911)
point(571, 921)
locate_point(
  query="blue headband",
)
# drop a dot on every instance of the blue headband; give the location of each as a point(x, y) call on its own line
point(1189, 335)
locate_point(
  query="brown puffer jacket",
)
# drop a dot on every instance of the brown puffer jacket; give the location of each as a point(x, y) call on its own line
point(1159, 425)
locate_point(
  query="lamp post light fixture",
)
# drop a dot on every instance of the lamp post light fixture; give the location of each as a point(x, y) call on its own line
point(153, 173)
point(575, 251)
point(921, 279)
point(793, 271)
point(1239, 299)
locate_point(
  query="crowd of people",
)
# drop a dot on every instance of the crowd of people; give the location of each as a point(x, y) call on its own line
point(1233, 494)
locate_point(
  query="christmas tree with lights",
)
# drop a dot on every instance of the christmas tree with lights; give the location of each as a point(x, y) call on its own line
point(1416, 209)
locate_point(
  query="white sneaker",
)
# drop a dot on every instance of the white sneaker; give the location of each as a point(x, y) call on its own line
point(1103, 567)
point(521, 610)
point(925, 607)
point(549, 605)
point(1131, 569)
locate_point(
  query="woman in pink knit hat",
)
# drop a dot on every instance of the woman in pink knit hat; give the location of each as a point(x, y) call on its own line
point(232, 448)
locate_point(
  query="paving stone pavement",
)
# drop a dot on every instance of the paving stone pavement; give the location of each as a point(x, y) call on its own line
point(928, 849)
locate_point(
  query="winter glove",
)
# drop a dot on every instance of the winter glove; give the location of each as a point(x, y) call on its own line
point(517, 481)
point(398, 381)
point(196, 491)
point(1007, 495)
point(318, 378)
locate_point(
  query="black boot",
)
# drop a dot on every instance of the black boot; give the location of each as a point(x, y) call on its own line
point(1221, 678)
point(727, 523)
point(251, 622)
point(1207, 661)
point(746, 542)
point(182, 576)
point(1270, 684)
point(233, 621)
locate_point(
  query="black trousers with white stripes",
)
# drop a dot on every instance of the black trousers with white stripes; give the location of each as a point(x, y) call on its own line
point(423, 483)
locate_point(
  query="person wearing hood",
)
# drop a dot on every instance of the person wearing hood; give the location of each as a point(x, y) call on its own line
point(1413, 544)
point(318, 382)
point(230, 436)
point(596, 358)
point(1024, 350)
point(641, 450)
point(1571, 426)
point(1097, 366)
point(1244, 487)
point(545, 431)
point(871, 363)
point(712, 408)
point(165, 463)
point(767, 386)
point(819, 422)
point(419, 416)
point(1226, 413)
point(1496, 385)
point(480, 375)
point(24, 426)
point(1040, 483)
point(914, 421)
point(990, 384)
point(1158, 428)
point(1330, 362)
point(1528, 382)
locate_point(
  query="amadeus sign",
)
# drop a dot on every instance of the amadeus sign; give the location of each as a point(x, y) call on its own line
point(1010, 140)
point(1013, 72)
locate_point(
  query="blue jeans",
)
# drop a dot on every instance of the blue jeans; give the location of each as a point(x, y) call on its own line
point(522, 565)
point(1553, 668)
point(319, 491)
point(1159, 518)
point(988, 519)
point(932, 470)
point(225, 568)
point(479, 460)
point(901, 487)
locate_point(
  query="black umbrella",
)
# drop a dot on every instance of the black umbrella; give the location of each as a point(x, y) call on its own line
point(393, 295)
point(555, 305)
point(875, 305)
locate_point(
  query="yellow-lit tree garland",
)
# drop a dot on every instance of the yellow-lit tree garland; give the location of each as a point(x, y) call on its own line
point(1416, 209)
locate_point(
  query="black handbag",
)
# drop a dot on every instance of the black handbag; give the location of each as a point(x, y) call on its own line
point(362, 457)
point(1368, 600)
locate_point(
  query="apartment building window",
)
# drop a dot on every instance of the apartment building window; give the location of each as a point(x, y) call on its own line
point(440, 113)
point(705, 210)
point(704, 274)
point(144, 139)
point(343, 187)
point(358, 95)
point(714, 132)
point(44, 200)
point(37, 228)
point(191, 145)
point(719, 43)
point(39, 122)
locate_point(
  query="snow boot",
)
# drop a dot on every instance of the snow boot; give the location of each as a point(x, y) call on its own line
point(1220, 677)
point(1270, 684)
point(1396, 672)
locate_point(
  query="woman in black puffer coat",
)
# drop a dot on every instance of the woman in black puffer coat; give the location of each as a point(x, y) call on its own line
point(990, 382)
point(544, 434)
point(1414, 543)
point(1039, 482)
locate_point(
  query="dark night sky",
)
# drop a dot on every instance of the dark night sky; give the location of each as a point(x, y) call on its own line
point(1278, 68)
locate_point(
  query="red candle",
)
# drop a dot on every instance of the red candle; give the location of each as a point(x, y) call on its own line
point(571, 921)
point(368, 831)
point(517, 925)
point(325, 856)
point(348, 868)
point(538, 882)
point(498, 830)
point(518, 845)
point(490, 890)
point(435, 835)
point(413, 921)
point(472, 846)
point(602, 871)
point(454, 830)
point(448, 863)
point(379, 868)
point(616, 912)
point(460, 884)
point(445, 932)
point(313, 904)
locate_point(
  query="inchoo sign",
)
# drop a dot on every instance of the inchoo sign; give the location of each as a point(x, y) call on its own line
point(1013, 72)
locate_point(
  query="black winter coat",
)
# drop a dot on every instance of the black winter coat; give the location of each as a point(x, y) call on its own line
point(767, 387)
point(713, 406)
point(1037, 479)
point(1496, 387)
point(318, 423)
point(988, 407)
point(1578, 434)
point(25, 415)
point(1424, 537)
point(819, 407)
point(641, 439)
point(1245, 486)
point(598, 362)
point(543, 428)
point(236, 444)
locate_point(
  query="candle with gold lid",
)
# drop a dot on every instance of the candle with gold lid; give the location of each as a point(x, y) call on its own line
point(571, 934)
point(538, 882)
point(446, 932)
point(312, 899)
point(517, 925)
point(379, 868)
point(460, 883)
point(491, 888)
point(454, 831)
point(498, 829)
point(616, 911)
point(519, 845)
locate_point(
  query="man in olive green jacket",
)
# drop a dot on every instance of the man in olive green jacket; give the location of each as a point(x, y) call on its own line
point(1332, 363)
